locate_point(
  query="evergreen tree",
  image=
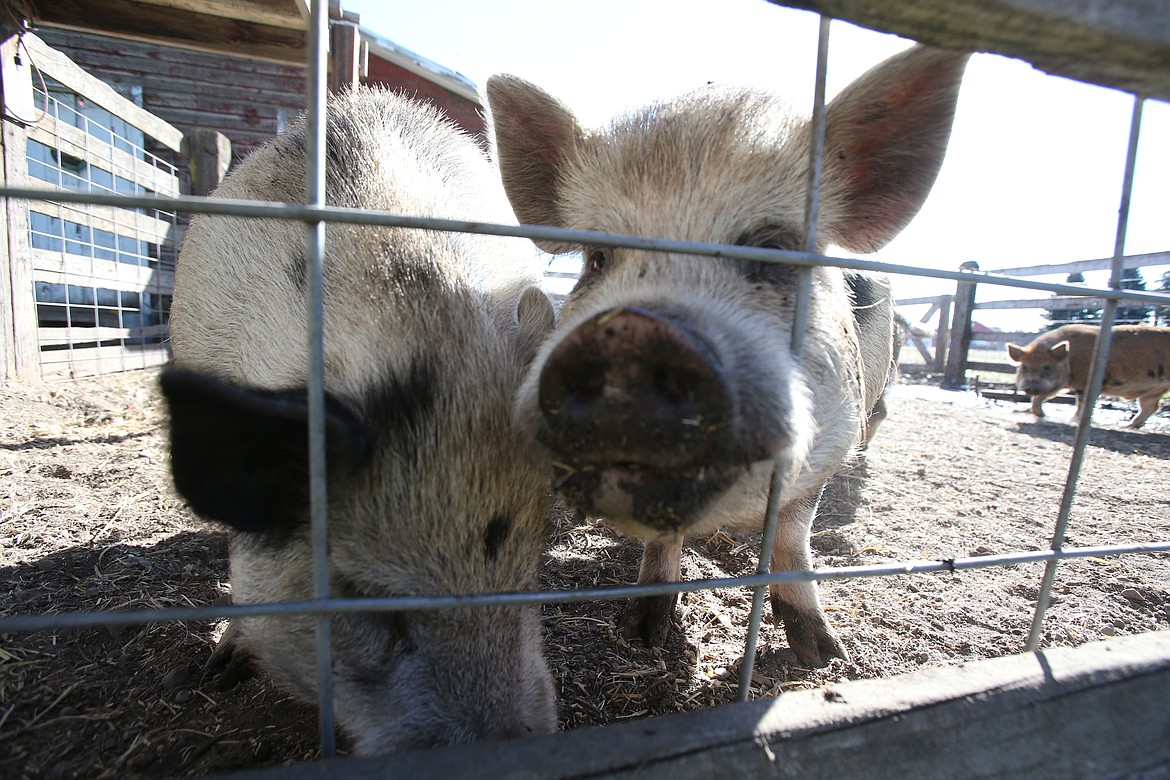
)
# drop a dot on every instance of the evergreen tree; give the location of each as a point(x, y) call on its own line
point(1131, 279)
point(1065, 316)
point(1162, 314)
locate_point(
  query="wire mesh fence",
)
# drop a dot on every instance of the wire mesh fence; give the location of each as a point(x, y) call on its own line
point(317, 217)
point(102, 276)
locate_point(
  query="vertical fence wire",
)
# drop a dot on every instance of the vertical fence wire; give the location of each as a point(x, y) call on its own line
point(315, 247)
point(799, 324)
point(1086, 403)
point(316, 91)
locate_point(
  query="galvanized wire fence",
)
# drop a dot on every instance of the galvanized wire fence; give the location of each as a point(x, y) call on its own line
point(316, 215)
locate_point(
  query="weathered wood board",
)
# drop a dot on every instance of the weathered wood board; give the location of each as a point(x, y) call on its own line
point(1099, 710)
point(1116, 43)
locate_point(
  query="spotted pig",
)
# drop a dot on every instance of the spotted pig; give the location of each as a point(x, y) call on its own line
point(431, 489)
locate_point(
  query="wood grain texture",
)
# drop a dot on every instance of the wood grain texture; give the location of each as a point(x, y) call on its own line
point(1123, 44)
point(1087, 712)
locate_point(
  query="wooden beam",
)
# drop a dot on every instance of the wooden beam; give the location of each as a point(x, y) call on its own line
point(177, 27)
point(954, 376)
point(1080, 266)
point(74, 141)
point(19, 310)
point(1094, 711)
point(273, 13)
point(95, 361)
point(61, 68)
point(345, 56)
point(1123, 44)
point(62, 268)
point(209, 154)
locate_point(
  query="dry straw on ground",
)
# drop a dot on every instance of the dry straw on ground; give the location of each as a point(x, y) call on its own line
point(89, 522)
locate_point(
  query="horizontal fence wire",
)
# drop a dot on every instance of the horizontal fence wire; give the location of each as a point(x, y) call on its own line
point(298, 212)
point(315, 215)
point(255, 209)
point(416, 603)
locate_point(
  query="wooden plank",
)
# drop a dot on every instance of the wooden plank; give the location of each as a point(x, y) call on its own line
point(995, 368)
point(942, 338)
point(276, 13)
point(116, 220)
point(934, 299)
point(345, 56)
point(1080, 266)
point(1089, 712)
point(1054, 302)
point(24, 360)
point(55, 64)
point(176, 71)
point(178, 27)
point(1003, 395)
point(1123, 44)
point(75, 142)
point(1004, 337)
point(59, 337)
point(62, 268)
point(210, 156)
point(95, 361)
point(954, 374)
point(920, 345)
point(241, 98)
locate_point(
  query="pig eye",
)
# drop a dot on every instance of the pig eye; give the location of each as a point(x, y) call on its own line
point(768, 237)
point(773, 273)
point(596, 260)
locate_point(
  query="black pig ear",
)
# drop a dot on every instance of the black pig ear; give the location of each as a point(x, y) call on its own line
point(241, 456)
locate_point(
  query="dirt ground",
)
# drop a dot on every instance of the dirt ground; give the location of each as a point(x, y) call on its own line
point(88, 521)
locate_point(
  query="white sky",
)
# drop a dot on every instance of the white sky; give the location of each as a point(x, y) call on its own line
point(1034, 169)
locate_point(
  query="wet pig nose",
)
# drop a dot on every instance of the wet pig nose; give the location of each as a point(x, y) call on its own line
point(632, 378)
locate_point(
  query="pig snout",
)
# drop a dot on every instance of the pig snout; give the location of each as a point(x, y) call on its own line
point(632, 386)
point(643, 420)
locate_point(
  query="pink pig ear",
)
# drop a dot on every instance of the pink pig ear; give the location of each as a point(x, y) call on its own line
point(1015, 353)
point(533, 133)
point(1059, 350)
point(885, 138)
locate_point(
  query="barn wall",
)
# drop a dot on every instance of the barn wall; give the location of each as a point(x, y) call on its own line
point(241, 98)
point(466, 113)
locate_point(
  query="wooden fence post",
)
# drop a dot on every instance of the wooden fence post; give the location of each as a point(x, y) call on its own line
point(209, 154)
point(345, 56)
point(954, 378)
point(18, 312)
point(943, 335)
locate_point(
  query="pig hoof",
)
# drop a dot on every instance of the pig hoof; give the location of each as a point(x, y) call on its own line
point(231, 663)
point(808, 635)
point(648, 619)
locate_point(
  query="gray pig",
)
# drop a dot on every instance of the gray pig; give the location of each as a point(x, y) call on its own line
point(431, 489)
point(668, 388)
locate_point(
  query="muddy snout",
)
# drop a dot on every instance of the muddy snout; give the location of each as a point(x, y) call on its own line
point(635, 386)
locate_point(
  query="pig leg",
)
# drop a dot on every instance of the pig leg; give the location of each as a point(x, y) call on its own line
point(231, 662)
point(648, 618)
point(1147, 405)
point(1038, 405)
point(795, 604)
